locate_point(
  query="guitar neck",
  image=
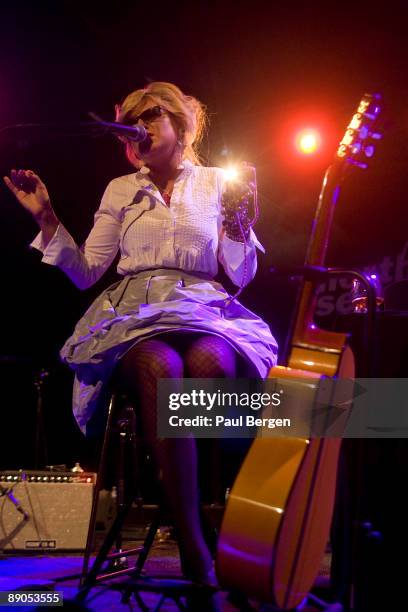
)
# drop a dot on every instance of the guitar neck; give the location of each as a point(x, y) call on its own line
point(353, 149)
point(303, 330)
point(322, 223)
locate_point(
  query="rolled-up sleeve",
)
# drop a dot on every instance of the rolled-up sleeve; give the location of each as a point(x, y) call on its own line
point(85, 265)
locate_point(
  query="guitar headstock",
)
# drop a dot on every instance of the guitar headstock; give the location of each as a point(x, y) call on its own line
point(357, 143)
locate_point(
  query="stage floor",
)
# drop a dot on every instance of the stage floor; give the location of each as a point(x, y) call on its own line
point(48, 572)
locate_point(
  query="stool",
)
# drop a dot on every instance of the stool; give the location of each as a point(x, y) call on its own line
point(168, 588)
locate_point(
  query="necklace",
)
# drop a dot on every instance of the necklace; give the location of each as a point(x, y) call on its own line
point(166, 197)
point(167, 191)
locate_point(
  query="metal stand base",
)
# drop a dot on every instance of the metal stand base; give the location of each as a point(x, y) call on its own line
point(134, 583)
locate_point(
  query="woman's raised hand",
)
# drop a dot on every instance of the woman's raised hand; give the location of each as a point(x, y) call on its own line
point(30, 191)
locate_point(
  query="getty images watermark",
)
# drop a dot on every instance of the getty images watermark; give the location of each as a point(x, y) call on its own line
point(247, 408)
point(227, 401)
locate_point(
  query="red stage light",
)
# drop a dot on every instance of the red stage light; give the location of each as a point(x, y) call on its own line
point(308, 141)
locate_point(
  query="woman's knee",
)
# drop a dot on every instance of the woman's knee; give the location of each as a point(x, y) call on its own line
point(151, 358)
point(210, 356)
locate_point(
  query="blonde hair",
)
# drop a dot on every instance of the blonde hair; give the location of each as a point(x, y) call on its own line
point(187, 113)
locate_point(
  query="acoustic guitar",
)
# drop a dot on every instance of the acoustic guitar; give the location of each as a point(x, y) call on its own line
point(278, 514)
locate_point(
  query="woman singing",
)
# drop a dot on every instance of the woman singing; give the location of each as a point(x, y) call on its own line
point(167, 317)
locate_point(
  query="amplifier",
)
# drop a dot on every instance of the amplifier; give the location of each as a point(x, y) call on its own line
point(45, 511)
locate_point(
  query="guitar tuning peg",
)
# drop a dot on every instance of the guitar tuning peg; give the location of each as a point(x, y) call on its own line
point(363, 132)
point(369, 150)
point(359, 164)
point(356, 148)
point(375, 135)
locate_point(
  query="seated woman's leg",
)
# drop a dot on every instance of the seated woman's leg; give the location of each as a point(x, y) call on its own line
point(176, 458)
point(210, 356)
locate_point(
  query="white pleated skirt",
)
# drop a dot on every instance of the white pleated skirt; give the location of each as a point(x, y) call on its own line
point(154, 302)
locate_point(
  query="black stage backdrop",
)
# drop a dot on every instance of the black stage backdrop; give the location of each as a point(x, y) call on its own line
point(262, 70)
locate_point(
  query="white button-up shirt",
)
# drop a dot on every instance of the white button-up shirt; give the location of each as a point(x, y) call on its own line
point(134, 218)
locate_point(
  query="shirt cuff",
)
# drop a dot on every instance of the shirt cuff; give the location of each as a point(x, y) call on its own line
point(52, 252)
point(231, 245)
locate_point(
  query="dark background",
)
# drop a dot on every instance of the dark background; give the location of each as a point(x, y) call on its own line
point(263, 70)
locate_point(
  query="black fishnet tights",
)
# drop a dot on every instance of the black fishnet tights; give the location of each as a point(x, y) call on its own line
point(175, 356)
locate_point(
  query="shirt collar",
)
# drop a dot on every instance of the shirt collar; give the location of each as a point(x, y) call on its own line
point(186, 166)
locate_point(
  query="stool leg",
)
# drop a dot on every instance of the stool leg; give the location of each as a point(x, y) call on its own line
point(98, 486)
point(127, 445)
point(91, 577)
point(126, 427)
point(142, 556)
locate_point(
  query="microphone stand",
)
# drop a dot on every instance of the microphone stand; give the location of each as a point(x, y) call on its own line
point(97, 127)
point(89, 127)
point(39, 425)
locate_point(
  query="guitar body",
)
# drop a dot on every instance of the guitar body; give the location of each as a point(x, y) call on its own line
point(277, 519)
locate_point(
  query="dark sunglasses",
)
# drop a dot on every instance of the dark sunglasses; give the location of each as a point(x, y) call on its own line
point(150, 114)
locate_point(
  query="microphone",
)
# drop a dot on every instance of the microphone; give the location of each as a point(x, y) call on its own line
point(136, 133)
